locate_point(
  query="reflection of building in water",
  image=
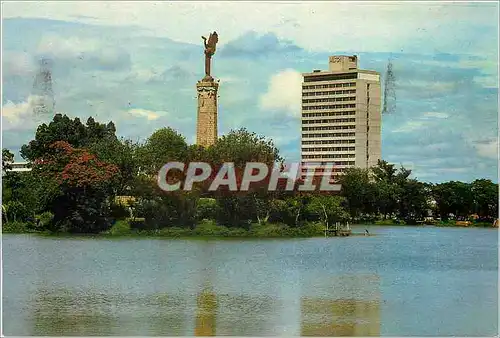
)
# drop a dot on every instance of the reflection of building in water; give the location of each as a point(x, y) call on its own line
point(349, 306)
point(247, 315)
point(206, 314)
point(340, 317)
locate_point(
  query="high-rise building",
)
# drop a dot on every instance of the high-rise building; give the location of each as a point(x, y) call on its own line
point(341, 118)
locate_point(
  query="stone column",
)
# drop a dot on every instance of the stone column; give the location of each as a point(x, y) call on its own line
point(206, 130)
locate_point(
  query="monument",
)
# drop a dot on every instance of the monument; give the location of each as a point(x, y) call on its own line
point(206, 129)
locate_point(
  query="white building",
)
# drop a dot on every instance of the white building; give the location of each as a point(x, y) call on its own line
point(341, 117)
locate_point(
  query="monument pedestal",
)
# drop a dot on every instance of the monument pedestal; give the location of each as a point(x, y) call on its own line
point(206, 130)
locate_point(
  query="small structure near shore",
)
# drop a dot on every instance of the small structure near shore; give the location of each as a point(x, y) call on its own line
point(338, 230)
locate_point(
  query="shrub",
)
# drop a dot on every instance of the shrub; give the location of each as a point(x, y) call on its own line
point(121, 227)
point(137, 223)
point(43, 221)
point(17, 211)
point(268, 230)
point(15, 227)
point(174, 232)
point(385, 222)
point(206, 209)
point(210, 228)
point(119, 211)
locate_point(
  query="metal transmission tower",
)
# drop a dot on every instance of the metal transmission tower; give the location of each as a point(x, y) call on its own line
point(389, 91)
point(44, 102)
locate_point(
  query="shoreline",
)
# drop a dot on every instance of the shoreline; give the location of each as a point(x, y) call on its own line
point(209, 230)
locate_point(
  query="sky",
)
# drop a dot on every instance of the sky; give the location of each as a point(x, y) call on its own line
point(137, 64)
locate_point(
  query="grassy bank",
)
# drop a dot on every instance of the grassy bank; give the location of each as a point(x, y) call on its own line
point(205, 229)
point(209, 229)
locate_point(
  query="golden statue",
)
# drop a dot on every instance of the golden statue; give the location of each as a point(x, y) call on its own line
point(209, 51)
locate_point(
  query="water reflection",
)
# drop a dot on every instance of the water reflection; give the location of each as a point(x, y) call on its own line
point(340, 317)
point(320, 312)
point(206, 314)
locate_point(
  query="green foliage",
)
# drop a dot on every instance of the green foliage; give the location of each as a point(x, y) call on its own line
point(168, 209)
point(453, 198)
point(119, 212)
point(137, 223)
point(120, 228)
point(485, 194)
point(414, 203)
point(163, 146)
point(79, 168)
point(45, 219)
point(242, 146)
point(62, 128)
point(124, 155)
point(15, 227)
point(327, 209)
point(17, 212)
point(206, 209)
point(7, 159)
point(358, 191)
point(390, 222)
point(210, 228)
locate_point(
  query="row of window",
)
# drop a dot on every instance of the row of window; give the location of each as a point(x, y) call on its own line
point(328, 149)
point(330, 99)
point(341, 162)
point(327, 121)
point(331, 92)
point(321, 170)
point(328, 135)
point(332, 106)
point(328, 128)
point(337, 113)
point(328, 156)
point(331, 85)
point(329, 142)
point(330, 77)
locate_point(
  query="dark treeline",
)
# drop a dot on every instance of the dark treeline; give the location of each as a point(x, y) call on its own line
point(78, 170)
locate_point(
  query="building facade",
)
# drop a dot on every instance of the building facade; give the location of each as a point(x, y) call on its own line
point(341, 117)
point(18, 167)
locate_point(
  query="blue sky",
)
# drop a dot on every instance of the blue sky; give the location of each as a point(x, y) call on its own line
point(137, 64)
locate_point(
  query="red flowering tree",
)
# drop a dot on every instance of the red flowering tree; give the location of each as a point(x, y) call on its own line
point(84, 187)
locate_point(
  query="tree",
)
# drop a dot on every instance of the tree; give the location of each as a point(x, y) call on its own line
point(384, 171)
point(414, 202)
point(389, 186)
point(7, 160)
point(241, 146)
point(453, 198)
point(74, 132)
point(122, 153)
point(163, 146)
point(327, 209)
point(84, 187)
point(358, 191)
point(485, 195)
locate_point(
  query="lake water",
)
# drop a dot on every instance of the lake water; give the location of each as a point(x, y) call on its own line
point(403, 281)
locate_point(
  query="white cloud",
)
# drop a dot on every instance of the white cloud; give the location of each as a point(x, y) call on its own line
point(380, 26)
point(409, 126)
point(19, 116)
point(67, 47)
point(148, 114)
point(436, 115)
point(284, 92)
point(17, 64)
point(487, 149)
